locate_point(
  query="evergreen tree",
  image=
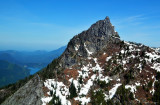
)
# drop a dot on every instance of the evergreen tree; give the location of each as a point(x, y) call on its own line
point(123, 94)
point(156, 95)
point(55, 100)
point(80, 79)
point(97, 98)
point(72, 91)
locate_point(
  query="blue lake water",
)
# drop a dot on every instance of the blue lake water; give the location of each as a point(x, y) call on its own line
point(33, 70)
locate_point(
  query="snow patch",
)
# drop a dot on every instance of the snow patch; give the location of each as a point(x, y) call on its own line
point(156, 66)
point(112, 91)
point(137, 84)
point(83, 100)
point(108, 58)
point(76, 47)
point(89, 52)
point(152, 55)
point(140, 67)
point(59, 89)
point(84, 90)
point(152, 91)
point(132, 87)
point(97, 67)
point(46, 100)
point(122, 51)
point(118, 80)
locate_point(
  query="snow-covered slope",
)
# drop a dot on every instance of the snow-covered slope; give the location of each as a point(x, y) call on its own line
point(134, 66)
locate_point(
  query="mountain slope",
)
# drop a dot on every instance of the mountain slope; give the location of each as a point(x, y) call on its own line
point(29, 94)
point(7, 57)
point(10, 73)
point(98, 68)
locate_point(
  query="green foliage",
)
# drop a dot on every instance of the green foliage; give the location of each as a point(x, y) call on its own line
point(131, 96)
point(156, 95)
point(51, 93)
point(145, 88)
point(110, 102)
point(150, 84)
point(98, 98)
point(107, 69)
point(102, 84)
point(123, 94)
point(117, 69)
point(115, 61)
point(55, 100)
point(142, 54)
point(121, 44)
point(143, 63)
point(158, 60)
point(128, 53)
point(127, 48)
point(79, 89)
point(49, 71)
point(136, 54)
point(152, 60)
point(146, 56)
point(80, 79)
point(117, 103)
point(158, 75)
point(119, 56)
point(137, 87)
point(129, 76)
point(72, 91)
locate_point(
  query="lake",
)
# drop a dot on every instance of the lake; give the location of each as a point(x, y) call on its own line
point(33, 70)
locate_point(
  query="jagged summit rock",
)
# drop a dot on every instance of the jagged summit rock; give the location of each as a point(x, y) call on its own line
point(102, 28)
point(90, 41)
point(107, 19)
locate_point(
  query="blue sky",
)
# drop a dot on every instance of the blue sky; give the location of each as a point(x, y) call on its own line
point(50, 24)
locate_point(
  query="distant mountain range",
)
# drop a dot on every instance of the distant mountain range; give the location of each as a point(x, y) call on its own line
point(10, 73)
point(15, 65)
point(37, 58)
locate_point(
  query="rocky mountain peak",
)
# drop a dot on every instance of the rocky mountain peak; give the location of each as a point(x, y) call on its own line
point(107, 19)
point(103, 28)
point(90, 41)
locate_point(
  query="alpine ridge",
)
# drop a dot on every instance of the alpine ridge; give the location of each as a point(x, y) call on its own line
point(97, 68)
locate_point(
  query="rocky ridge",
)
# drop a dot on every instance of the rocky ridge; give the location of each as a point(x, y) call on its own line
point(29, 94)
point(90, 41)
point(100, 69)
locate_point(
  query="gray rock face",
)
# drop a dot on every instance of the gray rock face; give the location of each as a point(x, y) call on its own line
point(89, 42)
point(29, 94)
